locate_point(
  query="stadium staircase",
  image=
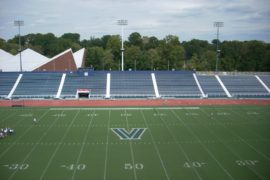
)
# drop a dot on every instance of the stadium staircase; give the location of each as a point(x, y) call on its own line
point(211, 86)
point(265, 81)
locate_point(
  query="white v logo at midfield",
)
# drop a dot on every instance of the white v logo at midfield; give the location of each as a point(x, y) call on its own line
point(133, 134)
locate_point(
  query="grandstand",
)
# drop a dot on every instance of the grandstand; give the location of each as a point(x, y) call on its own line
point(7, 81)
point(94, 81)
point(37, 85)
point(177, 84)
point(244, 86)
point(131, 84)
point(211, 86)
point(162, 134)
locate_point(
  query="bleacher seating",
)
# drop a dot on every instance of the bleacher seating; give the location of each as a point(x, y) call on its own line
point(38, 85)
point(177, 84)
point(211, 86)
point(95, 81)
point(131, 84)
point(244, 86)
point(7, 81)
point(266, 80)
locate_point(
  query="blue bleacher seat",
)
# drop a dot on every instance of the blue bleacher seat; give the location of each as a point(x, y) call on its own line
point(177, 84)
point(131, 84)
point(211, 86)
point(7, 81)
point(266, 80)
point(38, 85)
point(244, 86)
point(94, 81)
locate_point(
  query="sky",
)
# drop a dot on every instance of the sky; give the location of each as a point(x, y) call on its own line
point(187, 19)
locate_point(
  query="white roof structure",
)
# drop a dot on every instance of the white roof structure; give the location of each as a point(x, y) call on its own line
point(78, 57)
point(31, 60)
point(5, 55)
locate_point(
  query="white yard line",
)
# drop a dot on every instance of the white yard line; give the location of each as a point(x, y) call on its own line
point(255, 133)
point(155, 146)
point(180, 147)
point(58, 146)
point(7, 117)
point(209, 152)
point(131, 150)
point(33, 148)
point(121, 108)
point(106, 150)
point(21, 136)
point(243, 140)
point(228, 147)
point(83, 144)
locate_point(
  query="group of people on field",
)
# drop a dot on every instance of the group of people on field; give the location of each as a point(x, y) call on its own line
point(8, 131)
point(5, 132)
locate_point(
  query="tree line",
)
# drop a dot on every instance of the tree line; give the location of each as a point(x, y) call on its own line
point(151, 53)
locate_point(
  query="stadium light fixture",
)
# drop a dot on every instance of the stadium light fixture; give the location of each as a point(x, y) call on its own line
point(122, 23)
point(19, 23)
point(218, 25)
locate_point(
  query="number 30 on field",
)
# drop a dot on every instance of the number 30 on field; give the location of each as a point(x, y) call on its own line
point(137, 166)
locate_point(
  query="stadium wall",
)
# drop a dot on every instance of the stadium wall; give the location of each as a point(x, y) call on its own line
point(134, 103)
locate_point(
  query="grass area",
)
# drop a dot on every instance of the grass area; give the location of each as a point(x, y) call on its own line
point(210, 142)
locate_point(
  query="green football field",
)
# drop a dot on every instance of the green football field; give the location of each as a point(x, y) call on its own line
point(207, 142)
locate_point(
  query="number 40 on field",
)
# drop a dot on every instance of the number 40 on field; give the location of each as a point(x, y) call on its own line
point(194, 164)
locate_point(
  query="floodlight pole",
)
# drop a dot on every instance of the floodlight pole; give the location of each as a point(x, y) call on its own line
point(19, 23)
point(122, 23)
point(218, 25)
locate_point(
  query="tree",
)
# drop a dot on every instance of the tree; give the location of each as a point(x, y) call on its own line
point(171, 52)
point(9, 47)
point(194, 62)
point(109, 63)
point(152, 43)
point(232, 53)
point(74, 37)
point(171, 39)
point(207, 61)
point(133, 58)
point(94, 58)
point(135, 39)
point(114, 45)
point(105, 40)
point(153, 58)
point(150, 52)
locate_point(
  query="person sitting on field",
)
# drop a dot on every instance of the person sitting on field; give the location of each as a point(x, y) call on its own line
point(6, 130)
point(35, 120)
point(2, 135)
point(10, 131)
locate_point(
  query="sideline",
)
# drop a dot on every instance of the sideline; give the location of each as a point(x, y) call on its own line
point(122, 108)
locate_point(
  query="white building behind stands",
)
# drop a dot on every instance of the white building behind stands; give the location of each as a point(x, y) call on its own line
point(32, 60)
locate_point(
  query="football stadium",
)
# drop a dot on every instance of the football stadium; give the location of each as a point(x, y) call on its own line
point(134, 107)
point(134, 125)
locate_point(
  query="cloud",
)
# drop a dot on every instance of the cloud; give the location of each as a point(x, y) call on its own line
point(187, 19)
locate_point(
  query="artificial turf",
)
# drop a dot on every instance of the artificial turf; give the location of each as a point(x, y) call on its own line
point(207, 142)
